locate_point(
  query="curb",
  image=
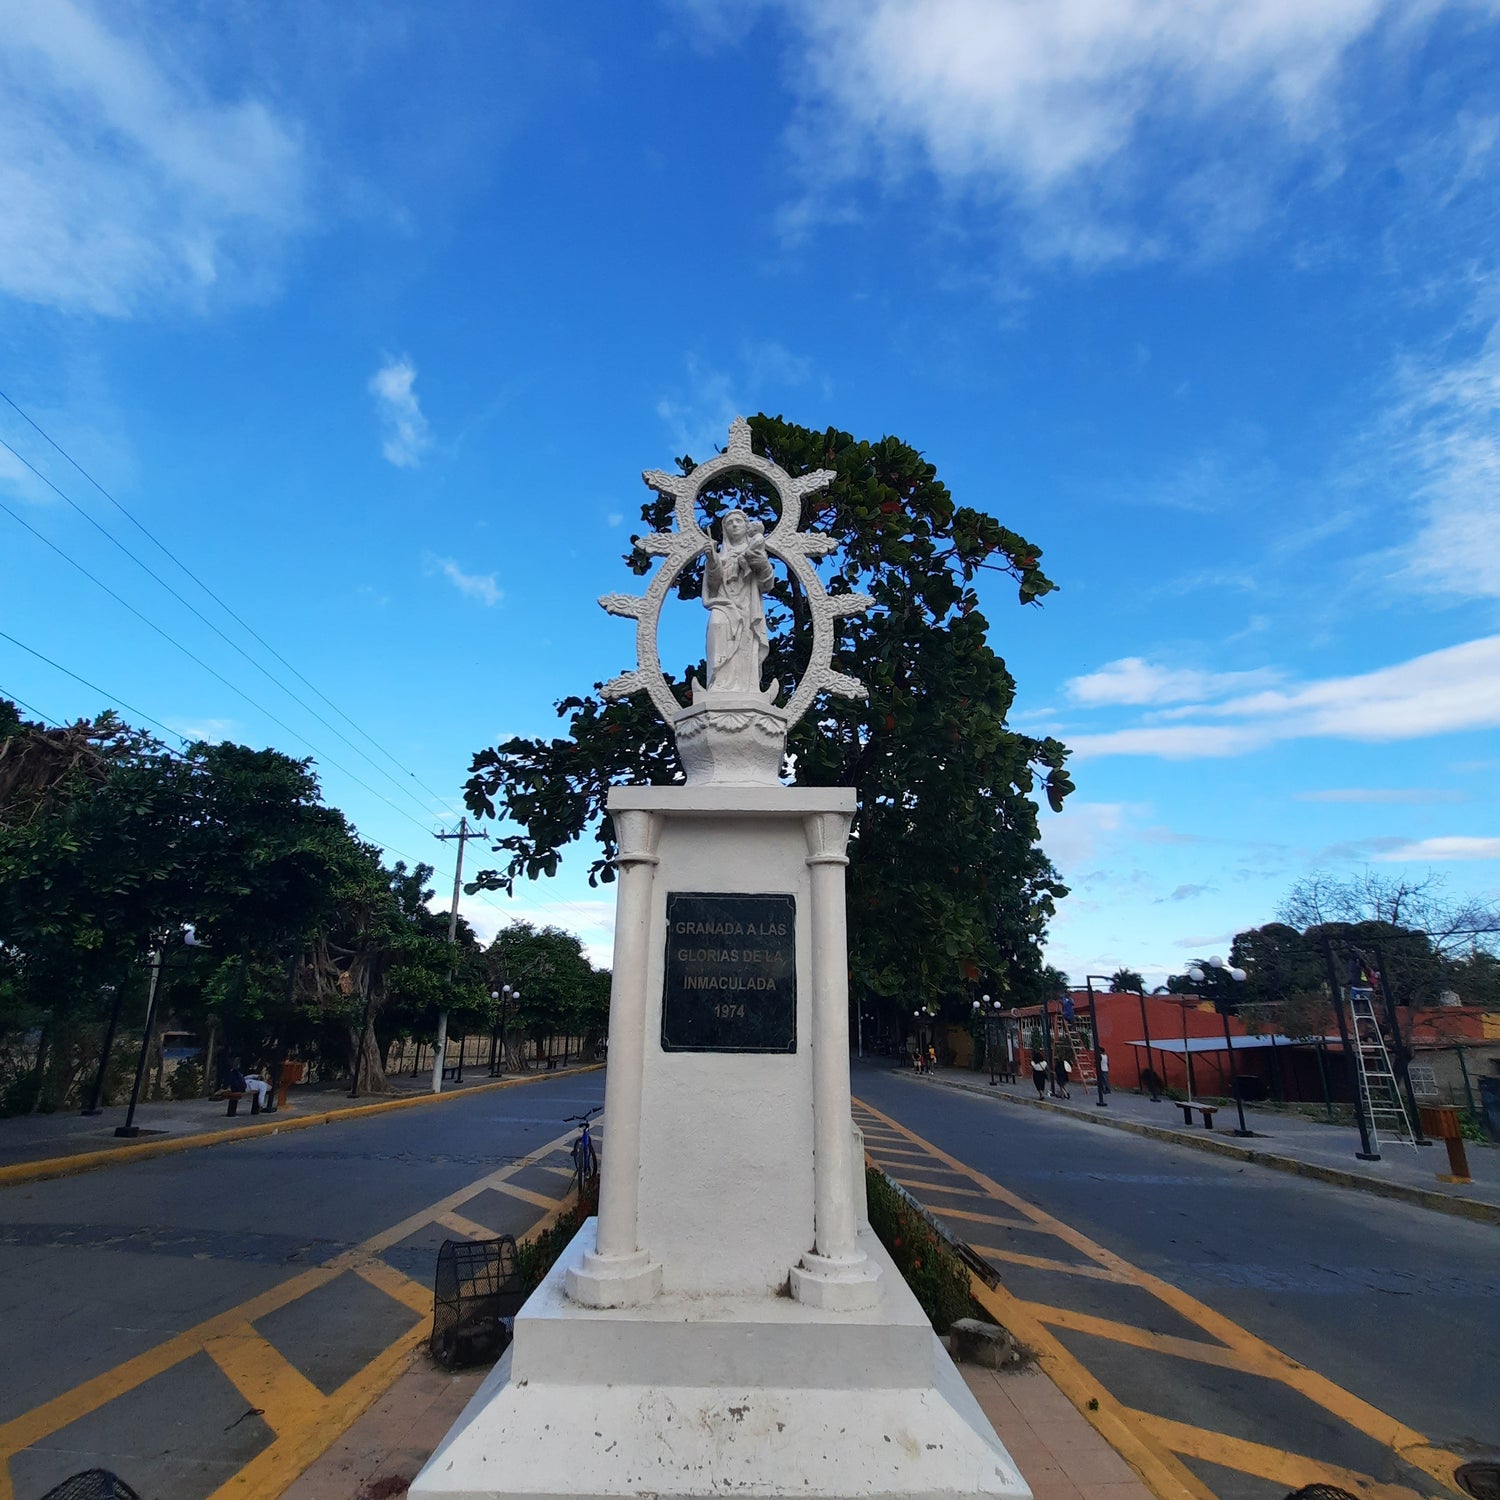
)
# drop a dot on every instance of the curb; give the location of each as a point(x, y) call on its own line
point(89, 1161)
point(1464, 1208)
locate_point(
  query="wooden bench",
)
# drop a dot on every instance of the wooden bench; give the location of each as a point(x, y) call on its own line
point(552, 1063)
point(234, 1098)
point(1208, 1111)
point(450, 1073)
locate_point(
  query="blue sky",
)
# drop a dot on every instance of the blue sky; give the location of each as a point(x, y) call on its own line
point(375, 314)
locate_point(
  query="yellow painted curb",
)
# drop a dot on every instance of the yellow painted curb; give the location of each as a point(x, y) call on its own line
point(1464, 1208)
point(89, 1161)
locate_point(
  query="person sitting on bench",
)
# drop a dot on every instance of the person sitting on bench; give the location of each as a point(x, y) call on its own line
point(243, 1083)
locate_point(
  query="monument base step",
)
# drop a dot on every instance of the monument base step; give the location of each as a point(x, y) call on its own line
point(695, 1396)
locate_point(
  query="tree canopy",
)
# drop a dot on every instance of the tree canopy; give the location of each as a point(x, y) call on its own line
point(947, 886)
point(110, 843)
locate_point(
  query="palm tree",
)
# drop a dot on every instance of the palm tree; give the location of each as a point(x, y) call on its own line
point(1126, 982)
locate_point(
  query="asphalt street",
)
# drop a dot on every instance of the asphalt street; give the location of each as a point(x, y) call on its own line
point(309, 1252)
point(1398, 1305)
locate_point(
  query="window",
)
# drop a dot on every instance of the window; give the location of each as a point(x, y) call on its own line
point(1423, 1081)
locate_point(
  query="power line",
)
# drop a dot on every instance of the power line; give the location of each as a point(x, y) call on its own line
point(219, 676)
point(93, 687)
point(30, 708)
point(110, 537)
point(244, 624)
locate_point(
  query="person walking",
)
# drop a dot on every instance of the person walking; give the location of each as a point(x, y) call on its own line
point(1064, 1073)
point(1039, 1073)
point(1103, 1071)
point(931, 1059)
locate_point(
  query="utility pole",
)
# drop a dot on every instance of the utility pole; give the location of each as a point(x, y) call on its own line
point(440, 1048)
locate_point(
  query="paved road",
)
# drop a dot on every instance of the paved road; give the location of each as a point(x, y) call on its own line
point(1131, 1253)
point(193, 1321)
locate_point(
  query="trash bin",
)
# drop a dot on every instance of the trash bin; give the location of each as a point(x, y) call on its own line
point(476, 1296)
point(1489, 1106)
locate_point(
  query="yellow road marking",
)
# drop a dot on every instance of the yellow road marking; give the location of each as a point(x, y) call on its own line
point(396, 1286)
point(466, 1227)
point(1042, 1263)
point(538, 1200)
point(1143, 1338)
point(1260, 1357)
point(937, 1187)
point(281, 1461)
point(1163, 1473)
point(1290, 1469)
point(969, 1216)
point(266, 1379)
point(42, 1421)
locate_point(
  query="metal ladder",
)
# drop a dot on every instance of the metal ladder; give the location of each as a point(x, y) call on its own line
point(1378, 1090)
point(1083, 1057)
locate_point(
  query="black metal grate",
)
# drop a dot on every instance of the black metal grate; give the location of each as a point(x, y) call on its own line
point(1321, 1492)
point(92, 1484)
point(476, 1294)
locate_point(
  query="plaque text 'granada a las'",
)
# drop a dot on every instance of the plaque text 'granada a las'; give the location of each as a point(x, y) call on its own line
point(731, 973)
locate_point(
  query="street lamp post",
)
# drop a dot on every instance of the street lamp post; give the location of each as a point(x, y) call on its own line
point(158, 961)
point(1088, 982)
point(982, 1011)
point(1222, 972)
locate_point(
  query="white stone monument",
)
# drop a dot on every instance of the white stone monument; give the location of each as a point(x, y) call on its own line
point(728, 1324)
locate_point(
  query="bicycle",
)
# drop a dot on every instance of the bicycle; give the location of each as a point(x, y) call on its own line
point(585, 1158)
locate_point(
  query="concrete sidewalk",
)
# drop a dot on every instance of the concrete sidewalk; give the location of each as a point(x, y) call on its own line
point(1058, 1453)
point(1289, 1142)
point(42, 1140)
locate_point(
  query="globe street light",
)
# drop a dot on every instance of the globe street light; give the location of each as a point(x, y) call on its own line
point(1223, 1004)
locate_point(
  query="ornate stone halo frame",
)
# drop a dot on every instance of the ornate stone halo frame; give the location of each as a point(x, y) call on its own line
point(787, 541)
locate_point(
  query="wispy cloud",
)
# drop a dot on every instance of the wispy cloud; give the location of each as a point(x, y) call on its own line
point(1133, 680)
point(1188, 892)
point(126, 182)
point(1453, 846)
point(1452, 441)
point(406, 433)
point(211, 730)
point(1055, 109)
point(699, 417)
point(1442, 692)
point(480, 586)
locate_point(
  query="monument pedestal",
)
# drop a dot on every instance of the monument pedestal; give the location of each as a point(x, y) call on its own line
point(722, 1395)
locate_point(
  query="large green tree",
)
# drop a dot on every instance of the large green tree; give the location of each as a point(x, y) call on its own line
point(947, 885)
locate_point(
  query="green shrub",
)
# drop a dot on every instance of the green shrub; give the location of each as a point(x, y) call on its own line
point(185, 1081)
point(536, 1256)
point(938, 1278)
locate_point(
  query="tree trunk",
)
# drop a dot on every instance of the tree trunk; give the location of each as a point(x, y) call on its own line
point(39, 1071)
point(367, 1060)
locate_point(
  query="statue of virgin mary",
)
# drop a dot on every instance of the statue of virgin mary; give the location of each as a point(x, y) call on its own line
point(738, 570)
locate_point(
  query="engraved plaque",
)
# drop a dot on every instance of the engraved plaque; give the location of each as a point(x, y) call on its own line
point(731, 974)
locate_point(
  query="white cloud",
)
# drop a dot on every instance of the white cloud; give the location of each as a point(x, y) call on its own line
point(20, 481)
point(1060, 107)
point(481, 586)
point(1134, 680)
point(1074, 836)
point(1453, 846)
point(1443, 692)
point(211, 730)
point(1451, 438)
point(125, 181)
point(699, 421)
point(406, 434)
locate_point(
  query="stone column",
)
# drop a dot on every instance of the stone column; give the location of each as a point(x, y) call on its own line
point(617, 1272)
point(836, 1274)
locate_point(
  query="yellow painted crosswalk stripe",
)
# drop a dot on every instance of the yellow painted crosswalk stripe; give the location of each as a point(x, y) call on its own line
point(270, 1382)
point(243, 1354)
point(1252, 1355)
